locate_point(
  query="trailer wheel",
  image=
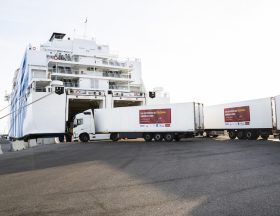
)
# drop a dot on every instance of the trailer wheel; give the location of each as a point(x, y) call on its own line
point(249, 135)
point(114, 137)
point(84, 137)
point(158, 137)
point(240, 135)
point(232, 135)
point(264, 136)
point(168, 137)
point(148, 137)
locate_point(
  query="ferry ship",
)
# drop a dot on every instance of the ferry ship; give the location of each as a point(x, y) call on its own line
point(90, 77)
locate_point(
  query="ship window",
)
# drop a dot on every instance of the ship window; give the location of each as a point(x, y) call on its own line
point(38, 73)
point(94, 84)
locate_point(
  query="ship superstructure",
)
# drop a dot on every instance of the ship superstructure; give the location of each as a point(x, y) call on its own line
point(92, 78)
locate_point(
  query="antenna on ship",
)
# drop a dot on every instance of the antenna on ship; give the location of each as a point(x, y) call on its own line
point(85, 28)
point(74, 33)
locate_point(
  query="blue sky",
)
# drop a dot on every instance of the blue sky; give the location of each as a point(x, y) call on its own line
point(201, 50)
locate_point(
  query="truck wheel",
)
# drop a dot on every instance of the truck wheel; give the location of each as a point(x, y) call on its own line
point(148, 137)
point(249, 135)
point(158, 137)
point(232, 135)
point(114, 137)
point(84, 137)
point(168, 137)
point(264, 136)
point(61, 138)
point(240, 135)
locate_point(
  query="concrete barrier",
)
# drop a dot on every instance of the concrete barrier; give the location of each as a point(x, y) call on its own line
point(32, 143)
point(45, 141)
point(19, 145)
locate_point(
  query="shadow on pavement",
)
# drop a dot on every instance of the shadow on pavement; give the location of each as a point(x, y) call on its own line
point(213, 177)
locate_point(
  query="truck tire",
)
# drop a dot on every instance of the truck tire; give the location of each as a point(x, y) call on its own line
point(168, 137)
point(148, 137)
point(249, 135)
point(264, 136)
point(84, 137)
point(240, 135)
point(232, 135)
point(158, 137)
point(61, 138)
point(114, 137)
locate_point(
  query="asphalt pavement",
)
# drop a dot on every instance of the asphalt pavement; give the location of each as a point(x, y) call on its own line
point(196, 176)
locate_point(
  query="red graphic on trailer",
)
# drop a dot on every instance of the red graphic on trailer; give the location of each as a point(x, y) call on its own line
point(155, 116)
point(237, 114)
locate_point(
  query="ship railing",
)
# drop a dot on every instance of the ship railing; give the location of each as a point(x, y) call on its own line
point(128, 94)
point(64, 70)
point(77, 72)
point(115, 63)
point(117, 75)
point(71, 84)
point(116, 87)
point(40, 89)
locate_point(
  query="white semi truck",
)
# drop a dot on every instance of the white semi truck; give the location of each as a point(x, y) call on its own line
point(245, 119)
point(158, 122)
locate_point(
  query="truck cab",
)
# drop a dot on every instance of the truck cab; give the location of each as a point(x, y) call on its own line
point(84, 128)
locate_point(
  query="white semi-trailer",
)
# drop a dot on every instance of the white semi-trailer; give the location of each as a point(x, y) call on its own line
point(245, 119)
point(157, 122)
